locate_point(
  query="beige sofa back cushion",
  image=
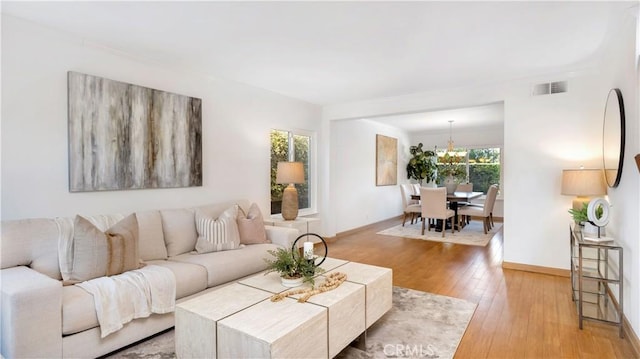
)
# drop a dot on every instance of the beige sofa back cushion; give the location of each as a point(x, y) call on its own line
point(33, 243)
point(96, 253)
point(151, 237)
point(179, 228)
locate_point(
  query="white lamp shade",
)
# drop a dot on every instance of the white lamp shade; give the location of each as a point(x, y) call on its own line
point(583, 182)
point(290, 172)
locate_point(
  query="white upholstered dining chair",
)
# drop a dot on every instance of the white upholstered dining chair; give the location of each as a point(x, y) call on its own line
point(410, 206)
point(485, 212)
point(464, 187)
point(434, 205)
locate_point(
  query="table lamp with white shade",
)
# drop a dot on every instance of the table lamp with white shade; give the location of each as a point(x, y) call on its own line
point(583, 183)
point(290, 173)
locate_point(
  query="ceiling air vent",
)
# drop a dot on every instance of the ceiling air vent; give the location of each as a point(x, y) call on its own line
point(549, 88)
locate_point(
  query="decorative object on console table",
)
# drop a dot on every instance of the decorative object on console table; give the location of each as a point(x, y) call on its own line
point(582, 183)
point(386, 161)
point(290, 173)
point(124, 136)
point(597, 218)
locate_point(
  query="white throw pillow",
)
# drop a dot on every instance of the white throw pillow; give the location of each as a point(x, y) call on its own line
point(217, 234)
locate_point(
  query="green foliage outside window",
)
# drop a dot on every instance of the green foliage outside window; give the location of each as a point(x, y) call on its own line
point(484, 168)
point(483, 164)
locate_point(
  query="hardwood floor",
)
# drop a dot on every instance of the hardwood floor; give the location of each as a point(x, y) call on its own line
point(519, 314)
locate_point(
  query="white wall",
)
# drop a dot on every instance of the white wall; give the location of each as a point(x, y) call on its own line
point(353, 174)
point(542, 136)
point(236, 122)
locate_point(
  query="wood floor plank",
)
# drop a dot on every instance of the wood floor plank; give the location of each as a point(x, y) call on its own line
point(518, 315)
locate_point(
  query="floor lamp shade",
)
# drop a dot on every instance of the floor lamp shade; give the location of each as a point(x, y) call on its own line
point(290, 173)
point(583, 183)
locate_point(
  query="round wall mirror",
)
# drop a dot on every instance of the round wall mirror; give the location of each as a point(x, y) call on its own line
point(613, 138)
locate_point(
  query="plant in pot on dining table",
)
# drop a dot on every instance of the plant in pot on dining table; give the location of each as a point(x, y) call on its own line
point(453, 171)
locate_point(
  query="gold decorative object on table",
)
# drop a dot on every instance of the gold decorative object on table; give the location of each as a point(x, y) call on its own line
point(333, 281)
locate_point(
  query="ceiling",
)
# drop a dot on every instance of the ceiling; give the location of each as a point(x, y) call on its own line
point(467, 118)
point(336, 52)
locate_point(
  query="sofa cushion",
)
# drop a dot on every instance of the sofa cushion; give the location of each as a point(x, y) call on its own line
point(78, 306)
point(33, 243)
point(179, 228)
point(190, 278)
point(150, 236)
point(95, 253)
point(226, 266)
point(251, 226)
point(78, 310)
point(217, 234)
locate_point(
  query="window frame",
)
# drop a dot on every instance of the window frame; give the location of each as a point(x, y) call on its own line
point(475, 147)
point(501, 147)
point(312, 176)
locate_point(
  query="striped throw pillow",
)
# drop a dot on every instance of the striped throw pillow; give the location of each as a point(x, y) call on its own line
point(219, 234)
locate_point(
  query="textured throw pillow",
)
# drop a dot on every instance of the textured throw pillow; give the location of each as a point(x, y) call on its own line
point(219, 234)
point(96, 253)
point(251, 226)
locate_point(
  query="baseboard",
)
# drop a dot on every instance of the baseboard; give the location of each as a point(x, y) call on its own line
point(365, 227)
point(630, 334)
point(537, 269)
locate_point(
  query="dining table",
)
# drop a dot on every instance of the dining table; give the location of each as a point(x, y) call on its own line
point(454, 199)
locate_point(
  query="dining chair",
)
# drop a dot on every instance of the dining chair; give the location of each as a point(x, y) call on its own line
point(410, 206)
point(485, 211)
point(416, 189)
point(492, 204)
point(464, 187)
point(434, 206)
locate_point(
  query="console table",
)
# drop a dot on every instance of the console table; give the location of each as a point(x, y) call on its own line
point(596, 267)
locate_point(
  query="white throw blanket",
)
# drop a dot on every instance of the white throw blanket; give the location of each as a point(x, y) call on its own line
point(134, 294)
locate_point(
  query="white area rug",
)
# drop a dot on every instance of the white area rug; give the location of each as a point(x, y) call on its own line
point(472, 234)
point(419, 325)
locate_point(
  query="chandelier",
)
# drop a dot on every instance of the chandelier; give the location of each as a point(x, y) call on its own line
point(451, 151)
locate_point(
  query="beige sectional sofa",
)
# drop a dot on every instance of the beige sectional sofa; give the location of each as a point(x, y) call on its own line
point(41, 318)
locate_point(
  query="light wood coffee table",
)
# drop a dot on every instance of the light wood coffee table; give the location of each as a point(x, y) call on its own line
point(240, 321)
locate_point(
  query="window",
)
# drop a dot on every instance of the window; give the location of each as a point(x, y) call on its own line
point(484, 168)
point(292, 146)
point(481, 166)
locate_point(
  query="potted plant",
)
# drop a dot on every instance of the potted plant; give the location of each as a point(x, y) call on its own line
point(453, 171)
point(292, 267)
point(579, 215)
point(421, 166)
point(582, 219)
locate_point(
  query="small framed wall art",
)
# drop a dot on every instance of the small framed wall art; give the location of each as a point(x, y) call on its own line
point(386, 161)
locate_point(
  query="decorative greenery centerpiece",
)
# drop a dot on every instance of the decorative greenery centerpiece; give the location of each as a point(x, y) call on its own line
point(453, 166)
point(421, 166)
point(291, 265)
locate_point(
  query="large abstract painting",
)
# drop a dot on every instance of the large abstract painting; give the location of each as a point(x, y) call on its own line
point(123, 136)
point(386, 161)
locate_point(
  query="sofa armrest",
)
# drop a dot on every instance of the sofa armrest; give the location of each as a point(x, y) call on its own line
point(31, 314)
point(282, 236)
